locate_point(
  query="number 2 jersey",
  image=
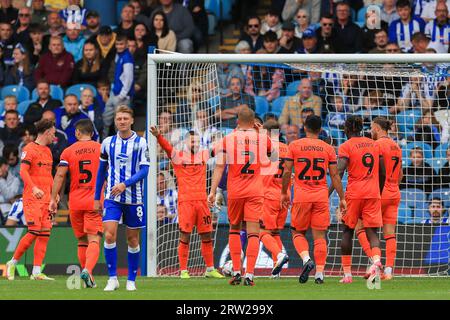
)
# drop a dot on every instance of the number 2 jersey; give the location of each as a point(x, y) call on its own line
point(246, 153)
point(82, 158)
point(363, 157)
point(392, 156)
point(312, 158)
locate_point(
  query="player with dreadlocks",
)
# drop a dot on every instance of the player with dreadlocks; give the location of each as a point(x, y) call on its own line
point(360, 156)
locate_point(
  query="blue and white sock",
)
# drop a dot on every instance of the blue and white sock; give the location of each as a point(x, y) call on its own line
point(133, 262)
point(110, 250)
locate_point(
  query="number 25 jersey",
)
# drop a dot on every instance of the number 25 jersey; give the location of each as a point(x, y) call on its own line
point(363, 157)
point(312, 158)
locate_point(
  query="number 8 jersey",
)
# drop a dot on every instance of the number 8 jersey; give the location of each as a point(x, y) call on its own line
point(311, 158)
point(82, 158)
point(363, 156)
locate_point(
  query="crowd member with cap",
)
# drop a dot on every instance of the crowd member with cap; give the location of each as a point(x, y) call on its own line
point(38, 44)
point(309, 42)
point(289, 43)
point(93, 24)
point(106, 39)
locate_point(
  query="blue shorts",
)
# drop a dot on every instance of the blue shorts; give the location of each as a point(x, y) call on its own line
point(133, 214)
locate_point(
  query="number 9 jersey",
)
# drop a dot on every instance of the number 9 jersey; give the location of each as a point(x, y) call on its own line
point(82, 158)
point(363, 156)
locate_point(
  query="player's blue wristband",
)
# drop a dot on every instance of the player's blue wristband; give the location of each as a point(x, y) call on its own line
point(138, 176)
point(101, 176)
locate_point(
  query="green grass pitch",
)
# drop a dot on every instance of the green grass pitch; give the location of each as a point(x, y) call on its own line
point(216, 289)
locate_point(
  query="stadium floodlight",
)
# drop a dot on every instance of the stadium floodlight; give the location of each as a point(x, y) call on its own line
point(410, 89)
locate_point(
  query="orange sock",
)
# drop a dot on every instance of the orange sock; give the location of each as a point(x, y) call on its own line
point(271, 244)
point(183, 254)
point(92, 253)
point(82, 248)
point(301, 245)
point(376, 254)
point(320, 254)
point(347, 264)
point(24, 244)
point(391, 250)
point(207, 253)
point(277, 238)
point(234, 243)
point(252, 251)
point(364, 242)
point(40, 248)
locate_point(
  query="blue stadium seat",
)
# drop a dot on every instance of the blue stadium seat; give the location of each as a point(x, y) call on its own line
point(411, 197)
point(214, 6)
point(443, 194)
point(437, 164)
point(23, 106)
point(407, 119)
point(441, 151)
point(292, 88)
point(361, 16)
point(2, 107)
point(55, 91)
point(420, 212)
point(427, 149)
point(278, 105)
point(404, 214)
point(262, 106)
point(76, 89)
point(20, 92)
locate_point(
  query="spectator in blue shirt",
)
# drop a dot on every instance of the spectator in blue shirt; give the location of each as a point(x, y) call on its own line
point(67, 116)
point(121, 74)
point(402, 30)
point(74, 41)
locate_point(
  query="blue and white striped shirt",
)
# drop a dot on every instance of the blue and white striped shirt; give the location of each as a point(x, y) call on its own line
point(402, 34)
point(419, 5)
point(16, 212)
point(438, 33)
point(124, 157)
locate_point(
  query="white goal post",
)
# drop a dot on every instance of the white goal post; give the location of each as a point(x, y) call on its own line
point(406, 67)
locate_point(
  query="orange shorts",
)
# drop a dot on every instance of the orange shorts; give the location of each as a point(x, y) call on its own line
point(194, 213)
point(245, 209)
point(368, 210)
point(86, 222)
point(389, 209)
point(37, 215)
point(310, 214)
point(274, 216)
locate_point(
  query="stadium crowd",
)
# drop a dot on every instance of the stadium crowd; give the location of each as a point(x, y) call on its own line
point(64, 64)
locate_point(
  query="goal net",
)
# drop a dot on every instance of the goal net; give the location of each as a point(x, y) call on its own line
point(189, 94)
